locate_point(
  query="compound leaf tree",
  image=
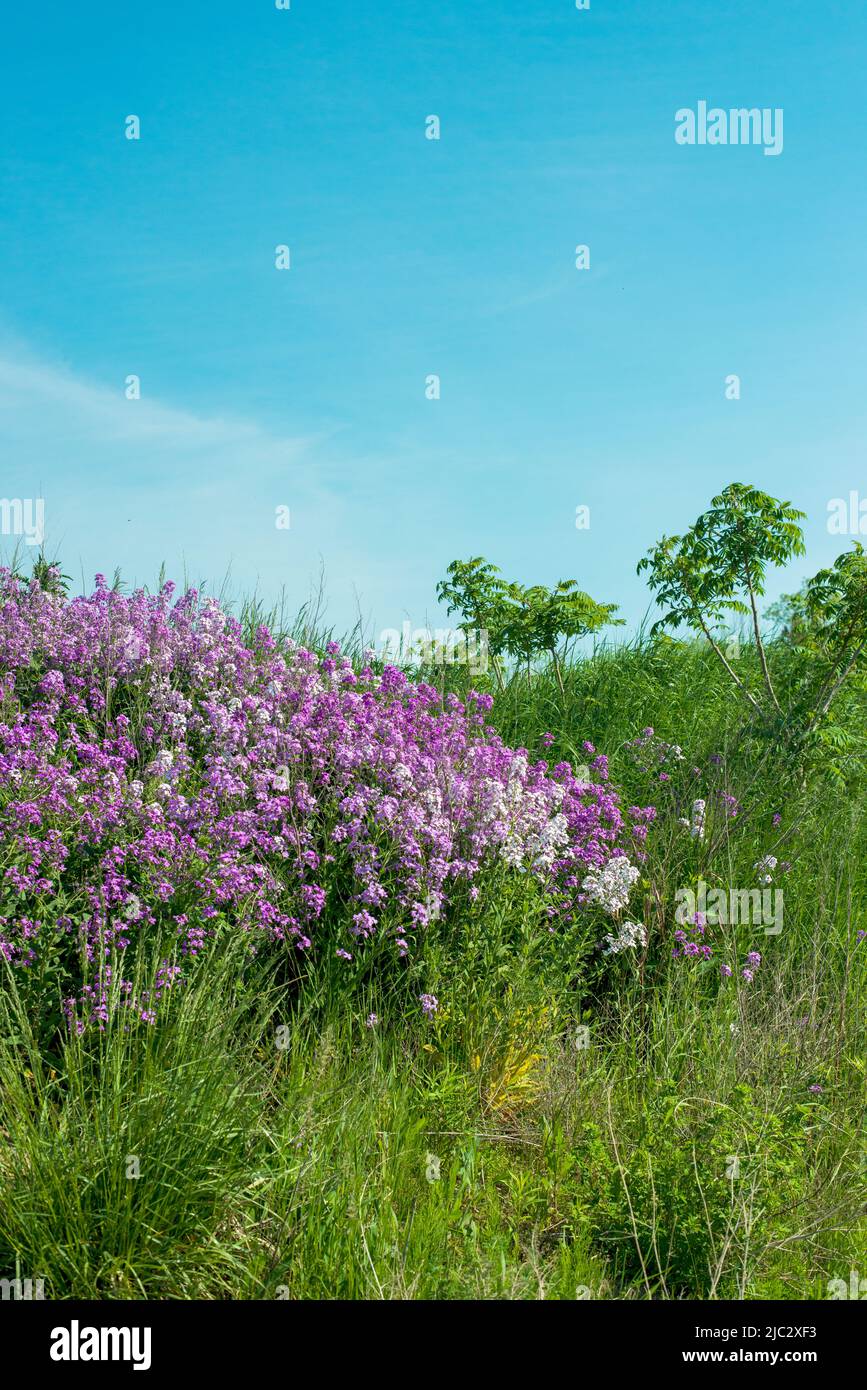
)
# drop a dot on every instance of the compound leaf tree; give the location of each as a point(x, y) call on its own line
point(719, 566)
point(475, 590)
point(835, 609)
point(525, 622)
point(541, 618)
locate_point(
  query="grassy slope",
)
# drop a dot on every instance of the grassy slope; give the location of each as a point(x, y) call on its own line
point(493, 1153)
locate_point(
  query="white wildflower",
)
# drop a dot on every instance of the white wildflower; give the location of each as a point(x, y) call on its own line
point(765, 868)
point(610, 886)
point(629, 935)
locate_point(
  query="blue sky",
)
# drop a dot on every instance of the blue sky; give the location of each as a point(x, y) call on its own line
point(411, 257)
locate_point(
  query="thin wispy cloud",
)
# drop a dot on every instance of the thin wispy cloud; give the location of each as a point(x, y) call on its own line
point(36, 397)
point(136, 483)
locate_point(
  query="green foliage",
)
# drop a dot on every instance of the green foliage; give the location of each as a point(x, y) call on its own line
point(719, 567)
point(475, 590)
point(537, 619)
point(524, 622)
point(678, 1204)
point(481, 1154)
point(44, 572)
point(304, 1172)
point(723, 558)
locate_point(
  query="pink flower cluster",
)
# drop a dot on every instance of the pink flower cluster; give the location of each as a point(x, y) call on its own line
point(160, 776)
